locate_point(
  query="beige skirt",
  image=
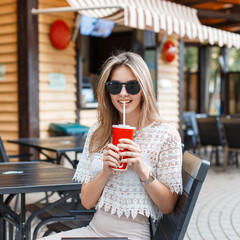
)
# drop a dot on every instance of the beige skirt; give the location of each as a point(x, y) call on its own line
point(105, 224)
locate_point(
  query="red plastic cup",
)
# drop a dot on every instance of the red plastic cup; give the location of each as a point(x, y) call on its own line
point(122, 131)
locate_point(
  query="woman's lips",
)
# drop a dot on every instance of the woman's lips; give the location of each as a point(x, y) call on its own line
point(126, 103)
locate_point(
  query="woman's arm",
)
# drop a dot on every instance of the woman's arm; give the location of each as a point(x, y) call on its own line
point(161, 195)
point(91, 192)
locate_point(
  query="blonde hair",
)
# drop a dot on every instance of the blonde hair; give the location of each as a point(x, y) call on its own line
point(107, 113)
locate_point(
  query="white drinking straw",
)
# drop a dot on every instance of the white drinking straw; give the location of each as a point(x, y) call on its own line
point(124, 113)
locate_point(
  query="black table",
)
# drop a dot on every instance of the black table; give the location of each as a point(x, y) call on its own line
point(30, 177)
point(58, 145)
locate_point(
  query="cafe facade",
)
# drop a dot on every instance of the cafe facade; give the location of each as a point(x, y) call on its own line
point(47, 78)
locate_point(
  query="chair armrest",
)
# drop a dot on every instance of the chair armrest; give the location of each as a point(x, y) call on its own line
point(76, 212)
point(20, 156)
point(87, 238)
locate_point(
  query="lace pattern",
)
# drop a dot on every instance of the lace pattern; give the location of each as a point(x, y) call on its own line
point(124, 194)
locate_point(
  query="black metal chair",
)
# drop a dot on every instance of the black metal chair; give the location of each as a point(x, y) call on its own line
point(93, 238)
point(190, 127)
point(5, 158)
point(211, 134)
point(172, 226)
point(231, 128)
point(86, 238)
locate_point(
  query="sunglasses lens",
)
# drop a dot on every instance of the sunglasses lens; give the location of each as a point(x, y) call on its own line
point(133, 87)
point(114, 87)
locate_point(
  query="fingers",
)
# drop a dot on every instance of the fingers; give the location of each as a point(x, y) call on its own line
point(129, 145)
point(127, 141)
point(111, 156)
point(130, 157)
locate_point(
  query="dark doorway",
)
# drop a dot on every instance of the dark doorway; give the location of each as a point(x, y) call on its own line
point(102, 48)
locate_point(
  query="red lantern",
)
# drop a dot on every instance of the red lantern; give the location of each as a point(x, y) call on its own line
point(169, 51)
point(60, 34)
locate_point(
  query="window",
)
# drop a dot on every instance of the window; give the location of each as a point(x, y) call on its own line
point(191, 78)
point(234, 80)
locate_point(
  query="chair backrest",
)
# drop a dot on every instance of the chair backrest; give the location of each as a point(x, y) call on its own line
point(3, 154)
point(231, 128)
point(173, 226)
point(189, 119)
point(210, 131)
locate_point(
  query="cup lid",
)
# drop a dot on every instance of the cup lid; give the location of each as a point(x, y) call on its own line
point(123, 126)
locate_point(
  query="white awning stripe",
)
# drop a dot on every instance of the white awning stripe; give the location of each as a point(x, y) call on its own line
point(158, 15)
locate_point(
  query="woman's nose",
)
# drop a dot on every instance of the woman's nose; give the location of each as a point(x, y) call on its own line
point(123, 91)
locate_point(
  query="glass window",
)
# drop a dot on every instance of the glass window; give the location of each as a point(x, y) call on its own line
point(234, 80)
point(190, 78)
point(213, 81)
point(191, 59)
point(234, 60)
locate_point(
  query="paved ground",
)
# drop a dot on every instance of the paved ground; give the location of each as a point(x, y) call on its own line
point(217, 212)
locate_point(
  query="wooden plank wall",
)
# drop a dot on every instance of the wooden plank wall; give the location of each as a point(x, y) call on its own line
point(88, 117)
point(55, 105)
point(8, 85)
point(168, 86)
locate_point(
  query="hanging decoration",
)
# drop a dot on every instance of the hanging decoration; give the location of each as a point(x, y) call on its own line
point(169, 51)
point(60, 34)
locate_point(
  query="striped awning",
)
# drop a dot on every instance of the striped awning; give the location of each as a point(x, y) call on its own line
point(154, 15)
point(157, 15)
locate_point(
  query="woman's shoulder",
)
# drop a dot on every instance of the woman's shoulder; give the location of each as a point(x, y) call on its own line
point(94, 127)
point(164, 128)
point(162, 125)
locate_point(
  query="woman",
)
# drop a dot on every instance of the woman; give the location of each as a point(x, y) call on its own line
point(125, 200)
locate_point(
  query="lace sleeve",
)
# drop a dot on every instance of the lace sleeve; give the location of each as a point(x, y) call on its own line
point(169, 167)
point(83, 172)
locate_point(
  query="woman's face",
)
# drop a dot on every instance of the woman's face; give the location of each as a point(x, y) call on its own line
point(133, 102)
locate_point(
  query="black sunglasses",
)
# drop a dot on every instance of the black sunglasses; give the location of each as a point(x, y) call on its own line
point(115, 87)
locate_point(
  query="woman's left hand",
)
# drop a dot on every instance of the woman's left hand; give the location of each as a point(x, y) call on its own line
point(133, 155)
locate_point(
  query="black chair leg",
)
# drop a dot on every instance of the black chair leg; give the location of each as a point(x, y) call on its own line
point(217, 157)
point(10, 231)
point(237, 164)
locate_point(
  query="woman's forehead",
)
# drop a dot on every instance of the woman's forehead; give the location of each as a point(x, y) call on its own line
point(122, 72)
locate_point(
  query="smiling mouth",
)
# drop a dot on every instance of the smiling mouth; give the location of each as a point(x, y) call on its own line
point(126, 102)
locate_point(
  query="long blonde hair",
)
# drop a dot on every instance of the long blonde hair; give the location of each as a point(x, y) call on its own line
point(107, 113)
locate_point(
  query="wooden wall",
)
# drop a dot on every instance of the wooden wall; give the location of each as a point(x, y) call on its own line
point(55, 105)
point(8, 83)
point(168, 86)
point(88, 117)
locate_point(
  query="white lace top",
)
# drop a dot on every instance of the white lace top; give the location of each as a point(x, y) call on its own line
point(124, 194)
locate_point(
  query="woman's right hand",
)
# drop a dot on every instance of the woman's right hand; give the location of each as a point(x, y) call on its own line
point(110, 158)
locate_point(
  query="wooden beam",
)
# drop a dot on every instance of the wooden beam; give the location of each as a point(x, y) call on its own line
point(218, 14)
point(181, 87)
point(78, 75)
point(28, 96)
point(190, 3)
point(224, 96)
point(225, 24)
point(202, 69)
